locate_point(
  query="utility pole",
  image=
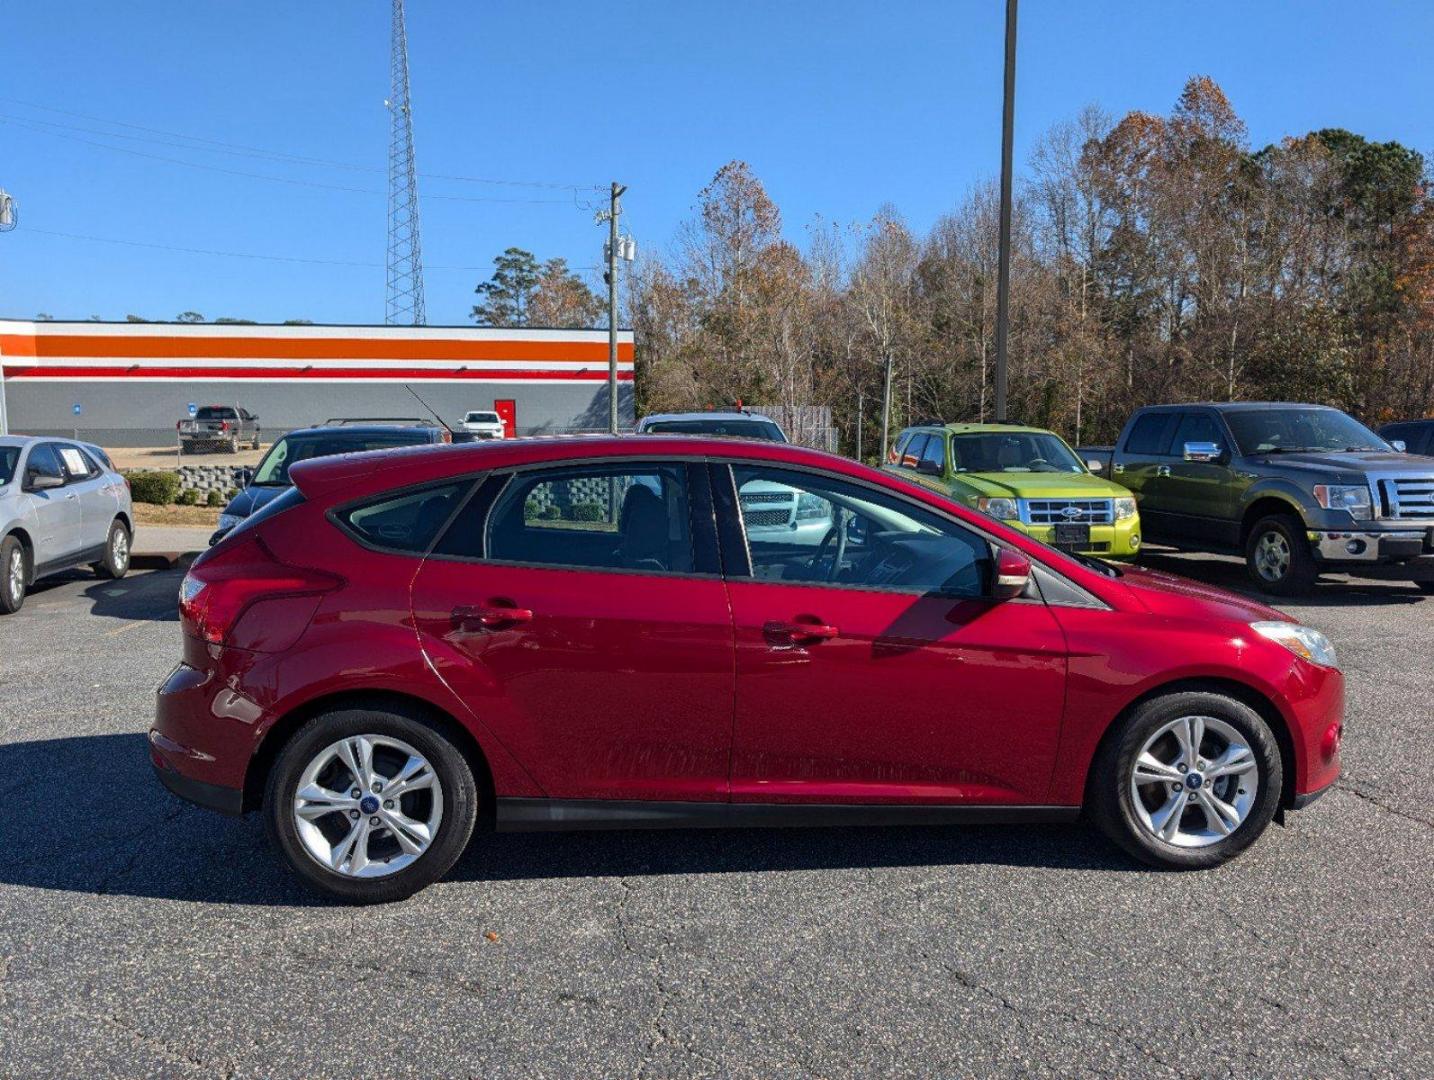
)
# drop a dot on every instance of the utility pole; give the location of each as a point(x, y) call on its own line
point(1003, 270)
point(615, 250)
point(9, 217)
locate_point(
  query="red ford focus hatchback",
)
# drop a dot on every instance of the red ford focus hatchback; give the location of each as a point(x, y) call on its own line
point(671, 631)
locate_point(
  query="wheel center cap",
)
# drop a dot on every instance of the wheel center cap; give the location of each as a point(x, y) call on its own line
point(369, 804)
point(1193, 780)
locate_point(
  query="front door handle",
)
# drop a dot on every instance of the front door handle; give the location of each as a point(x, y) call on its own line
point(489, 616)
point(799, 631)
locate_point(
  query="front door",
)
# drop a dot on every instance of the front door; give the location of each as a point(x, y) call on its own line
point(875, 668)
point(56, 510)
point(1201, 494)
point(575, 615)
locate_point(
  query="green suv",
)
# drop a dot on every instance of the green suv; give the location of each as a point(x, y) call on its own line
point(1027, 477)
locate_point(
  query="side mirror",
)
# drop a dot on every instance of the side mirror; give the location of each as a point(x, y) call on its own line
point(1203, 451)
point(1400, 446)
point(1095, 465)
point(930, 468)
point(244, 477)
point(38, 481)
point(1013, 574)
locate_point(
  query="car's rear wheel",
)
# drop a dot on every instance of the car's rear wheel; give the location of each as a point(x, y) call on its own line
point(370, 805)
point(115, 564)
point(14, 569)
point(1278, 556)
point(1187, 781)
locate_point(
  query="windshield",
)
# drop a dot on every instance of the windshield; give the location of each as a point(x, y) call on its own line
point(482, 418)
point(273, 471)
point(9, 458)
point(1284, 431)
point(746, 429)
point(1013, 451)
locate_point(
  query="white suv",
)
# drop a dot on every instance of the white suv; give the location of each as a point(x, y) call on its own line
point(62, 505)
point(483, 424)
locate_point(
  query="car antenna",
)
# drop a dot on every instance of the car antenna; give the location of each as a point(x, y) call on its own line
point(430, 408)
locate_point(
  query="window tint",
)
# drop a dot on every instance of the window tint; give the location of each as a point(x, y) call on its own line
point(817, 530)
point(912, 451)
point(408, 521)
point(1197, 427)
point(43, 460)
point(1151, 434)
point(614, 517)
point(935, 451)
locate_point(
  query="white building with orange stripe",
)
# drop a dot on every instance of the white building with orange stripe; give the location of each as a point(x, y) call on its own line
point(128, 384)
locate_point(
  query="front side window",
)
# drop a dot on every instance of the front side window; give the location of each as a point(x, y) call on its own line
point(815, 529)
point(601, 517)
point(9, 458)
point(1197, 428)
point(935, 452)
point(407, 521)
point(1287, 431)
point(44, 461)
point(1017, 451)
point(912, 451)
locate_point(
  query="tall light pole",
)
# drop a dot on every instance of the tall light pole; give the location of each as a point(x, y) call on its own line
point(616, 248)
point(1003, 269)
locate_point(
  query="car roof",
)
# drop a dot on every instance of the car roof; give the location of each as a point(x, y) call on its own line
point(358, 474)
point(981, 429)
point(422, 432)
point(1242, 406)
point(756, 418)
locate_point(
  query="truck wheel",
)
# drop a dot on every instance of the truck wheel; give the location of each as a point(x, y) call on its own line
point(234, 444)
point(1278, 556)
point(13, 572)
point(1187, 781)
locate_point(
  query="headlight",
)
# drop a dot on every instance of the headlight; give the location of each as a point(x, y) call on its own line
point(1005, 509)
point(1351, 497)
point(1124, 508)
point(1303, 641)
point(228, 521)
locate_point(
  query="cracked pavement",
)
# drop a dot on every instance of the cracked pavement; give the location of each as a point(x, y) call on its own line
point(142, 937)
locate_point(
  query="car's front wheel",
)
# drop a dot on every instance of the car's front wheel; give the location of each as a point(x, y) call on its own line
point(13, 568)
point(1278, 556)
point(370, 805)
point(1187, 781)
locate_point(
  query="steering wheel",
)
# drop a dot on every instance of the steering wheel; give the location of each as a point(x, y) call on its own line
point(837, 534)
point(1036, 461)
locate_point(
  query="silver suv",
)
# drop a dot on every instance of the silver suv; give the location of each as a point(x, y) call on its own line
point(62, 505)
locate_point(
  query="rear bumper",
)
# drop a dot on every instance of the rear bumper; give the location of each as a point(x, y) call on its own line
point(202, 739)
point(1301, 801)
point(225, 800)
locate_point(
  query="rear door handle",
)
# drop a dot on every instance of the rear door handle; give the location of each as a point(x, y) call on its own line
point(799, 632)
point(489, 617)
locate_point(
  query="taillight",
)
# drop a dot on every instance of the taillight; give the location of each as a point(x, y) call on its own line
point(224, 425)
point(218, 590)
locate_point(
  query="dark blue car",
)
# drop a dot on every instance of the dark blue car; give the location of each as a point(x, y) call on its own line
point(271, 477)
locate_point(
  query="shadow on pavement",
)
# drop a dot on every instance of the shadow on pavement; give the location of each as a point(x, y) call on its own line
point(1336, 590)
point(151, 596)
point(90, 817)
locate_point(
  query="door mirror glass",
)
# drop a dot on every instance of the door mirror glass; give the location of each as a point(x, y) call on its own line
point(244, 477)
point(1203, 451)
point(1095, 465)
point(1013, 574)
point(1400, 447)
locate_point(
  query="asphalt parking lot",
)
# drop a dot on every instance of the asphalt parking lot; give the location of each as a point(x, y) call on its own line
point(142, 937)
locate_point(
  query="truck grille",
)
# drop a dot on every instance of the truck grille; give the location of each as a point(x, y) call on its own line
point(1407, 497)
point(766, 497)
point(765, 517)
point(1054, 511)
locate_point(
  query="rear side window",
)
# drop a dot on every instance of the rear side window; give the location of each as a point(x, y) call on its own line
point(77, 466)
point(1151, 434)
point(407, 521)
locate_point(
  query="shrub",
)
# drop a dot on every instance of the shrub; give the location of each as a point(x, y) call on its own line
point(587, 512)
point(215, 498)
point(154, 486)
point(188, 498)
point(549, 513)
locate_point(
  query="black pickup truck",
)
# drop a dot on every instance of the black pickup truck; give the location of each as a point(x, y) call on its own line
point(1297, 489)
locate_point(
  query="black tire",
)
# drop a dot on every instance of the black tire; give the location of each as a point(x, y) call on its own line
point(460, 802)
point(12, 594)
point(232, 446)
point(115, 564)
point(1298, 570)
point(1110, 801)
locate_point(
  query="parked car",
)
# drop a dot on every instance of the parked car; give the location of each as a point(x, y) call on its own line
point(1297, 489)
point(1025, 476)
point(740, 424)
point(581, 633)
point(62, 505)
point(1417, 436)
point(264, 483)
point(483, 424)
point(219, 427)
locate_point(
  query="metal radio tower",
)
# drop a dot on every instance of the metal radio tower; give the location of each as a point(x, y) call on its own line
point(405, 255)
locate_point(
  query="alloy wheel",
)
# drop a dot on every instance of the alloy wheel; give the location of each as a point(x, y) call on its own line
point(368, 806)
point(1272, 556)
point(119, 551)
point(15, 575)
point(1194, 782)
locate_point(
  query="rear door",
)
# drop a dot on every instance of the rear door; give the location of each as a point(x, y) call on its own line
point(580, 613)
point(56, 510)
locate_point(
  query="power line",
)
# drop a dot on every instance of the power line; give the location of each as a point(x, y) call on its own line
point(13, 121)
point(242, 150)
point(254, 255)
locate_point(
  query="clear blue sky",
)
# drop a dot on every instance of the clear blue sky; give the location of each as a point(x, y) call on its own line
point(839, 107)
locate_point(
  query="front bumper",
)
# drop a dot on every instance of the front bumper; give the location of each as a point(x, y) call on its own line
point(1119, 541)
point(1371, 546)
